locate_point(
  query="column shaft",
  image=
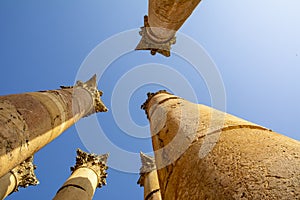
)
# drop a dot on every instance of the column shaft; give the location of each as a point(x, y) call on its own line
point(80, 185)
point(29, 121)
point(151, 187)
point(8, 184)
point(163, 20)
point(202, 153)
point(149, 179)
point(169, 14)
point(88, 174)
point(21, 176)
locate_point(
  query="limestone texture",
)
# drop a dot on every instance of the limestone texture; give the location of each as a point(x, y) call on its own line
point(29, 121)
point(203, 153)
point(165, 17)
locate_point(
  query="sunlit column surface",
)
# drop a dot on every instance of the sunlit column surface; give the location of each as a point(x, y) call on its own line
point(163, 20)
point(21, 176)
point(29, 121)
point(88, 174)
point(148, 178)
point(238, 160)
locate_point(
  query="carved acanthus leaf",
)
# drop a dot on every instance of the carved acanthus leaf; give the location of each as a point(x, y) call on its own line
point(91, 87)
point(148, 165)
point(24, 174)
point(95, 162)
point(148, 43)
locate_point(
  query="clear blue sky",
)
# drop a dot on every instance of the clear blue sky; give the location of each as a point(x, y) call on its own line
point(254, 44)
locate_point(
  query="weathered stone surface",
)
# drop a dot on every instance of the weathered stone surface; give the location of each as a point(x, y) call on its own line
point(202, 153)
point(170, 14)
point(88, 173)
point(29, 121)
point(163, 20)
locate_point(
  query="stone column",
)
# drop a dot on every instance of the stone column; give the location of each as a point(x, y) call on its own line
point(21, 176)
point(202, 153)
point(165, 18)
point(148, 178)
point(88, 174)
point(29, 121)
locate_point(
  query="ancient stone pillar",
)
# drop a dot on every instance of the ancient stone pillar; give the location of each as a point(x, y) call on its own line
point(163, 20)
point(202, 153)
point(148, 178)
point(88, 174)
point(21, 176)
point(29, 121)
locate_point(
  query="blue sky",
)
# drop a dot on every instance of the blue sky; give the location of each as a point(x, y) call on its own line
point(255, 46)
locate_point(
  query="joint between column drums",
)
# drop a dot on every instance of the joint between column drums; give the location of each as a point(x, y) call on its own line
point(70, 185)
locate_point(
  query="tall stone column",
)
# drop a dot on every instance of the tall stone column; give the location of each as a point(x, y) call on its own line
point(29, 121)
point(164, 18)
point(202, 153)
point(148, 178)
point(21, 176)
point(88, 174)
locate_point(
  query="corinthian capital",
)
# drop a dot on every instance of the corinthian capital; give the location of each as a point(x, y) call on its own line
point(24, 174)
point(148, 165)
point(95, 162)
